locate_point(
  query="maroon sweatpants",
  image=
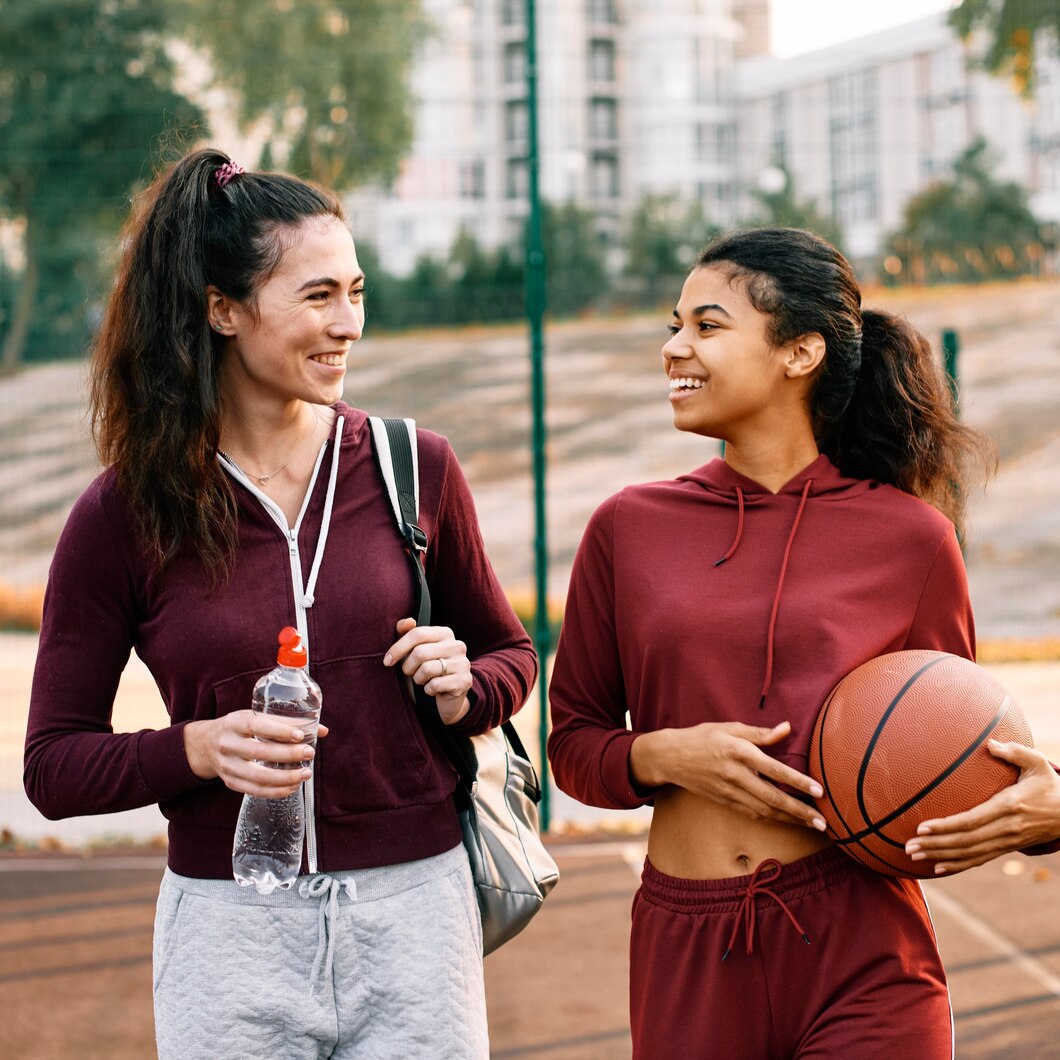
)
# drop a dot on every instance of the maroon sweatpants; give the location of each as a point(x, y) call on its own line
point(868, 985)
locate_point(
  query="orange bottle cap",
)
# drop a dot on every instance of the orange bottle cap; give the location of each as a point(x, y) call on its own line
point(291, 652)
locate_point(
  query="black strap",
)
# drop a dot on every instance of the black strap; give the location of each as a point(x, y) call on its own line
point(459, 749)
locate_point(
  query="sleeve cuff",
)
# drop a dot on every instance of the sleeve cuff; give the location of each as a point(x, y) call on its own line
point(479, 716)
point(164, 765)
point(615, 774)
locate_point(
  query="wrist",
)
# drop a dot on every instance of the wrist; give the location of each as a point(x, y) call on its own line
point(459, 715)
point(651, 759)
point(195, 749)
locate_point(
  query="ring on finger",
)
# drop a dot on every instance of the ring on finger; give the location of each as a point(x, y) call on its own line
point(445, 668)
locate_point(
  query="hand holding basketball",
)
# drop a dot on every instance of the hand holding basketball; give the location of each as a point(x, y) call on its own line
point(1020, 816)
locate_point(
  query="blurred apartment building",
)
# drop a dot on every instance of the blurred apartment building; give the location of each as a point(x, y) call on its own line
point(641, 97)
point(863, 126)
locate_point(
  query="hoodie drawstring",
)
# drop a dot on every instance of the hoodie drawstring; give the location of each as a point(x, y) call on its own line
point(739, 529)
point(768, 679)
point(746, 913)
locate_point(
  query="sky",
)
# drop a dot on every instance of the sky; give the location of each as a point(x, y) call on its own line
point(803, 25)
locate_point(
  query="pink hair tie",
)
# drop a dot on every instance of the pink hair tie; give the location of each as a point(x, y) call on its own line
point(229, 170)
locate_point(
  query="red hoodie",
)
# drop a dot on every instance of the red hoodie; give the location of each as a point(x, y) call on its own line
point(812, 582)
point(382, 789)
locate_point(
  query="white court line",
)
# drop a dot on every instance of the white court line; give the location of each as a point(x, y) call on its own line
point(978, 927)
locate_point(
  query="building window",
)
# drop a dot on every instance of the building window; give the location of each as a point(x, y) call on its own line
point(602, 11)
point(603, 177)
point(518, 183)
point(778, 129)
point(601, 60)
point(854, 156)
point(603, 119)
point(513, 12)
point(514, 63)
point(473, 179)
point(715, 143)
point(516, 122)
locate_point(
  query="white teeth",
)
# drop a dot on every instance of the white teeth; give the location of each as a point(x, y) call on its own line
point(686, 384)
point(332, 359)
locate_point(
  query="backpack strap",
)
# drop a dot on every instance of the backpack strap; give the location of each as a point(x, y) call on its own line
point(396, 456)
point(394, 444)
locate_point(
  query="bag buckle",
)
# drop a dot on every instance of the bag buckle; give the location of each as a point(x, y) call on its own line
point(415, 537)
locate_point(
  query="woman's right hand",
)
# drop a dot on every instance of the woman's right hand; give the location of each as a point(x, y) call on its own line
point(226, 747)
point(723, 761)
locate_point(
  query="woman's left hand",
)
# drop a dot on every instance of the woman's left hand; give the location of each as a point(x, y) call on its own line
point(435, 659)
point(1024, 814)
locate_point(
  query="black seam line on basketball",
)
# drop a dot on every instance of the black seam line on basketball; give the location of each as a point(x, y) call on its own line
point(867, 856)
point(821, 766)
point(874, 829)
point(865, 851)
point(860, 790)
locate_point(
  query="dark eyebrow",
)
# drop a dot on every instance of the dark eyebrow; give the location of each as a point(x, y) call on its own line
point(327, 281)
point(711, 307)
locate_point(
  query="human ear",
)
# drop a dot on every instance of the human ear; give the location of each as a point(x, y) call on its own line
point(220, 311)
point(804, 355)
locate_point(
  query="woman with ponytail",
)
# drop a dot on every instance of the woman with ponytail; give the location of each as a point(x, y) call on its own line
point(241, 495)
point(721, 608)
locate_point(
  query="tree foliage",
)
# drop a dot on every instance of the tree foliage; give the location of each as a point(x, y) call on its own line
point(1013, 27)
point(971, 228)
point(85, 90)
point(663, 235)
point(328, 78)
point(472, 284)
point(784, 209)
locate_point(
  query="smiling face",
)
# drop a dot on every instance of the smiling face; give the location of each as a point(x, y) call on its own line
point(291, 343)
point(726, 378)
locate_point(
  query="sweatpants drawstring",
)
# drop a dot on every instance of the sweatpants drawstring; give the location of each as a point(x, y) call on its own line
point(746, 912)
point(327, 890)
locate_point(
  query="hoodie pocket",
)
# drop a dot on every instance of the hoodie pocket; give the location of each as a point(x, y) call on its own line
point(376, 755)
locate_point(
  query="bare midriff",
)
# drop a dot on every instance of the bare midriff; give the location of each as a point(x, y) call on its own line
point(699, 839)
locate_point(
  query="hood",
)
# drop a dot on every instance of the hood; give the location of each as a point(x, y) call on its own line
point(722, 481)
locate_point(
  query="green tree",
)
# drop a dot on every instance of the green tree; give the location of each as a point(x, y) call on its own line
point(663, 234)
point(971, 228)
point(85, 90)
point(781, 207)
point(1013, 27)
point(328, 79)
point(574, 256)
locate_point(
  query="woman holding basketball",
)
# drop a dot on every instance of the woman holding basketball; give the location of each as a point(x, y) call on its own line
point(719, 610)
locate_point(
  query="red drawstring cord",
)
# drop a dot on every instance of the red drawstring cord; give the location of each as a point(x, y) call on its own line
point(768, 679)
point(747, 913)
point(739, 529)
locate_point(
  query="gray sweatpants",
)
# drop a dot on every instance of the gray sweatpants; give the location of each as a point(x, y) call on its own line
point(370, 963)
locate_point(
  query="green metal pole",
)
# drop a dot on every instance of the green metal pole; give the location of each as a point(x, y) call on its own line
point(951, 347)
point(535, 312)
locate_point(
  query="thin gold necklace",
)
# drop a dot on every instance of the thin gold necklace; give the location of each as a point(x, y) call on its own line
point(264, 479)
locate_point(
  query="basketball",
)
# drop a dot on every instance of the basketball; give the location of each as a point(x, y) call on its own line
point(902, 740)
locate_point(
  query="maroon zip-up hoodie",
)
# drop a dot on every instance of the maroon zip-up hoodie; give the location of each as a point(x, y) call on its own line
point(382, 788)
point(708, 598)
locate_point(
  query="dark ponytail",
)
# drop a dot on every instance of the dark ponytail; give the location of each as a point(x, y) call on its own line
point(880, 405)
point(156, 413)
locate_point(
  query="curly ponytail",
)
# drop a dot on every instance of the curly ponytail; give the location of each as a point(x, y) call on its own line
point(880, 405)
point(155, 401)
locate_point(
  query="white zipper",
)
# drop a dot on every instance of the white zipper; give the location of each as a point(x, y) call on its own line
point(291, 534)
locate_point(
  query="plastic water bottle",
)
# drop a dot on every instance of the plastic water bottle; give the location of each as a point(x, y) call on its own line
point(267, 852)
